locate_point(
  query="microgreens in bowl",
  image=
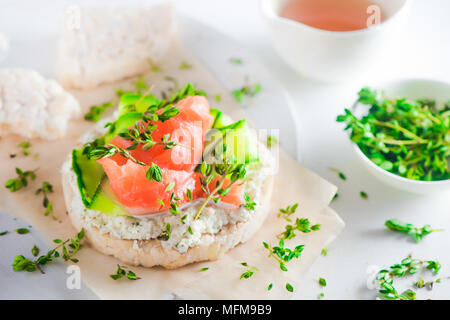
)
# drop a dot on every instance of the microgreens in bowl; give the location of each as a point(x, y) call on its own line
point(408, 138)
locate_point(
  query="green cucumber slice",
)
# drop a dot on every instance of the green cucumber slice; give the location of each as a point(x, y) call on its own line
point(89, 175)
point(105, 201)
point(241, 142)
point(220, 119)
point(123, 122)
point(133, 102)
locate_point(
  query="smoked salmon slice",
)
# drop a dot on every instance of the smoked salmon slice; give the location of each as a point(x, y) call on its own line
point(141, 196)
point(232, 200)
point(187, 129)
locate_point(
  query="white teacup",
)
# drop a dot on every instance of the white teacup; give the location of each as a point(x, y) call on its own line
point(334, 56)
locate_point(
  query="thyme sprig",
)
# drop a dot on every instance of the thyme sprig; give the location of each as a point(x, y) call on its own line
point(287, 212)
point(21, 181)
point(415, 232)
point(45, 189)
point(121, 272)
point(68, 249)
point(95, 112)
point(110, 150)
point(221, 171)
point(283, 255)
point(249, 272)
point(407, 266)
point(302, 225)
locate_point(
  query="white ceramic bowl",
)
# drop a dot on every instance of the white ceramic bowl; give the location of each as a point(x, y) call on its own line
point(333, 56)
point(410, 89)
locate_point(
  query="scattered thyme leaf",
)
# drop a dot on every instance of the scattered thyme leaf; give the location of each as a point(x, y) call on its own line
point(153, 66)
point(35, 251)
point(246, 91)
point(170, 186)
point(364, 195)
point(289, 287)
point(324, 252)
point(339, 173)
point(25, 147)
point(22, 231)
point(141, 84)
point(287, 212)
point(236, 61)
point(204, 269)
point(166, 232)
point(95, 112)
point(4, 233)
point(249, 272)
point(322, 282)
point(249, 203)
point(184, 65)
point(271, 141)
point(336, 195)
point(154, 173)
point(270, 287)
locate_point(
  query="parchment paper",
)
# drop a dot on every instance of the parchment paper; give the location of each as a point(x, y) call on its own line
point(293, 183)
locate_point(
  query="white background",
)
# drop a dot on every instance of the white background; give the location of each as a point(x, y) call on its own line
point(422, 52)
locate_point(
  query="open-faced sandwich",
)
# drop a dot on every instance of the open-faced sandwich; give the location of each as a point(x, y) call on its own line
point(168, 182)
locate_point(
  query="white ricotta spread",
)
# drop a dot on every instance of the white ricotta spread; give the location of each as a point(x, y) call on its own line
point(33, 106)
point(211, 221)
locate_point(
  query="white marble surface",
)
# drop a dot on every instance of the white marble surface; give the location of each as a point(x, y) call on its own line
point(422, 52)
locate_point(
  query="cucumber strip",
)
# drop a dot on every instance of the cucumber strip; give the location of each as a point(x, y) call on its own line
point(123, 122)
point(135, 99)
point(89, 175)
point(105, 201)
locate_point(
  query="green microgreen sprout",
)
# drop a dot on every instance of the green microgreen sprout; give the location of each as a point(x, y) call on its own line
point(406, 138)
